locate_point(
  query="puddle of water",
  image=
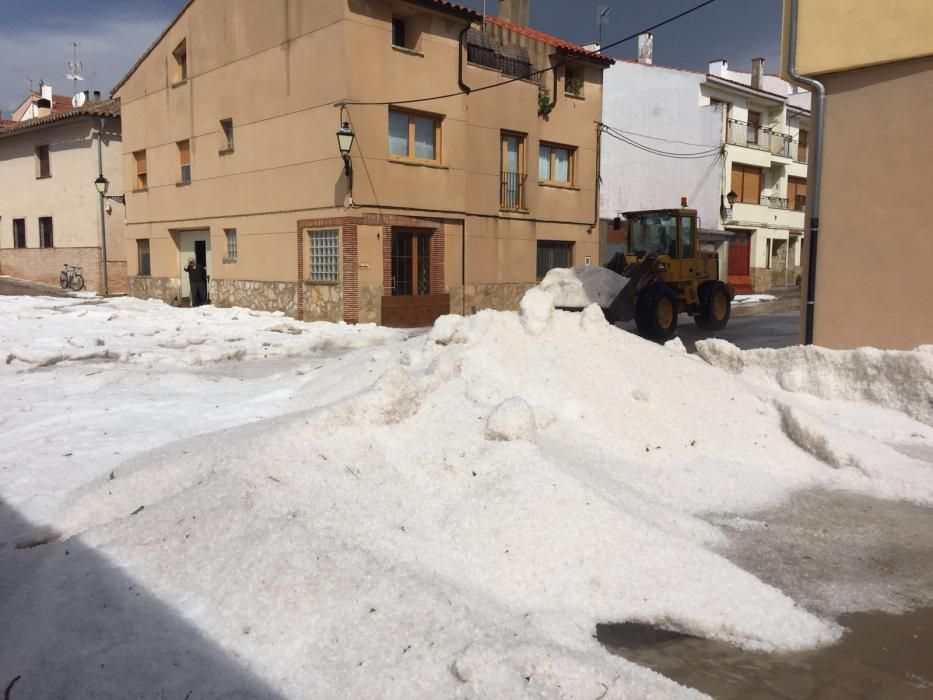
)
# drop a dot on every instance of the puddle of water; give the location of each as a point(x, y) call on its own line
point(881, 657)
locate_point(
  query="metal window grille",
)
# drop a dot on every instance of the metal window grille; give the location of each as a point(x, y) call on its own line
point(325, 255)
point(45, 232)
point(145, 269)
point(231, 243)
point(553, 254)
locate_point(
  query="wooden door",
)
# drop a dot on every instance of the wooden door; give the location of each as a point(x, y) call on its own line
point(410, 302)
point(739, 254)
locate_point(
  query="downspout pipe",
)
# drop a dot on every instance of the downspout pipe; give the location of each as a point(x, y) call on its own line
point(463, 86)
point(815, 168)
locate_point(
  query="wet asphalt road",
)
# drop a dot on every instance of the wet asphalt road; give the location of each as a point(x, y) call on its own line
point(779, 329)
point(14, 287)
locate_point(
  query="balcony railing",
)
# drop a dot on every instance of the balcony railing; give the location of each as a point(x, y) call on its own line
point(512, 191)
point(798, 151)
point(773, 202)
point(759, 137)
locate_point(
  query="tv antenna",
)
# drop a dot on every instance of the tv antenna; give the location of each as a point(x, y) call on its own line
point(75, 68)
point(602, 20)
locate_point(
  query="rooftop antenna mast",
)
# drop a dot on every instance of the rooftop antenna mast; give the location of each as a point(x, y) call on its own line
point(75, 67)
point(602, 20)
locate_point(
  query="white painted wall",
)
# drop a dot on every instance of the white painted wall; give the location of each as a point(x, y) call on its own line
point(69, 195)
point(660, 107)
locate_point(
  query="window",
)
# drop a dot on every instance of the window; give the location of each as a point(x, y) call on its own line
point(45, 232)
point(512, 189)
point(398, 32)
point(43, 167)
point(797, 193)
point(687, 237)
point(142, 256)
point(184, 161)
point(142, 180)
point(325, 255)
point(553, 254)
point(754, 124)
point(802, 139)
point(19, 233)
point(230, 233)
point(573, 82)
point(226, 126)
point(746, 182)
point(555, 164)
point(180, 67)
point(414, 136)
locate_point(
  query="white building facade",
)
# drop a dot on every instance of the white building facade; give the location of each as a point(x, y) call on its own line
point(765, 128)
point(672, 135)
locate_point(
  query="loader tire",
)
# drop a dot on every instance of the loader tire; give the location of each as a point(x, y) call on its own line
point(656, 312)
point(715, 306)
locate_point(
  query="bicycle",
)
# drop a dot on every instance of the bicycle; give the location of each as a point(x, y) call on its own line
point(71, 277)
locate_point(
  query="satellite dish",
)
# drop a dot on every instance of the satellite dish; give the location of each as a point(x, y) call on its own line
point(78, 100)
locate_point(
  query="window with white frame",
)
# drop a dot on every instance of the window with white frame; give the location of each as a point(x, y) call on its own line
point(324, 246)
point(230, 233)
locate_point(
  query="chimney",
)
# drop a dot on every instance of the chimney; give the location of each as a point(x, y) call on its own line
point(515, 11)
point(646, 48)
point(758, 72)
point(718, 67)
point(44, 103)
point(96, 96)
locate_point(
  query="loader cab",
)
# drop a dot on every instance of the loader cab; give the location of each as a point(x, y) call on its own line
point(671, 233)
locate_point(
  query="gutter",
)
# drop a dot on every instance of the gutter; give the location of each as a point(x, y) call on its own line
point(814, 169)
point(463, 86)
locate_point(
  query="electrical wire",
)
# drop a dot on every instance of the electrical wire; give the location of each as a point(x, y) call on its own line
point(665, 154)
point(658, 138)
point(535, 74)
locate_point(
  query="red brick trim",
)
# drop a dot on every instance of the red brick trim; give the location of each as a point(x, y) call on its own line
point(301, 273)
point(350, 255)
point(351, 273)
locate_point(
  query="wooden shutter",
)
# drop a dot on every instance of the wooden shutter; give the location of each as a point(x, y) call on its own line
point(802, 146)
point(184, 152)
point(737, 180)
point(751, 190)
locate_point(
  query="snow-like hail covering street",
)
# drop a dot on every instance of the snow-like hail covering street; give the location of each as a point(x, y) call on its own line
point(213, 503)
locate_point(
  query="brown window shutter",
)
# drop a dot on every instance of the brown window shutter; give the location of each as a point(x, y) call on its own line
point(737, 180)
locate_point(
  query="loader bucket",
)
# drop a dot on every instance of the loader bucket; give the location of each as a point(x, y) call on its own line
point(622, 308)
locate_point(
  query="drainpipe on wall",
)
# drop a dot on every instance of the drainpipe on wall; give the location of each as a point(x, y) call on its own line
point(463, 86)
point(814, 171)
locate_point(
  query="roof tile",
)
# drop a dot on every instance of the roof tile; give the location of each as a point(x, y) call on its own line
point(565, 46)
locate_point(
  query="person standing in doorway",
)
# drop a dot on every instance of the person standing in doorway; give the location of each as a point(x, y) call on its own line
point(197, 281)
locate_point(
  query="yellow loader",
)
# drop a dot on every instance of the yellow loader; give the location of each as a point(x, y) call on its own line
point(668, 275)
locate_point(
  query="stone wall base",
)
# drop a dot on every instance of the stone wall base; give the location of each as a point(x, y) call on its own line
point(168, 289)
point(45, 265)
point(501, 297)
point(765, 279)
point(323, 302)
point(371, 303)
point(261, 296)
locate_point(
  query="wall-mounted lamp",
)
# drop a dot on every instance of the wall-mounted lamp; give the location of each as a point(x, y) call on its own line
point(103, 185)
point(345, 138)
point(731, 197)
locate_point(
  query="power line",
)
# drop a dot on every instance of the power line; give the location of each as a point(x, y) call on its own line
point(658, 152)
point(541, 72)
point(658, 138)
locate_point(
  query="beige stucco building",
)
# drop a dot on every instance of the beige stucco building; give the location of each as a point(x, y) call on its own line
point(457, 203)
point(874, 249)
point(49, 206)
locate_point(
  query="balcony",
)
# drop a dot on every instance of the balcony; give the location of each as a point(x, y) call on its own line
point(512, 192)
point(798, 203)
point(761, 138)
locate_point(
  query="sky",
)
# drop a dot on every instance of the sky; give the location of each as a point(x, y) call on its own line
point(36, 37)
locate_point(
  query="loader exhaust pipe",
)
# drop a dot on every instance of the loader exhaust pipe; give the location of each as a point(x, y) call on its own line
point(814, 170)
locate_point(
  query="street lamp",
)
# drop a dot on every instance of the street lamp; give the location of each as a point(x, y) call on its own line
point(731, 197)
point(103, 185)
point(345, 138)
